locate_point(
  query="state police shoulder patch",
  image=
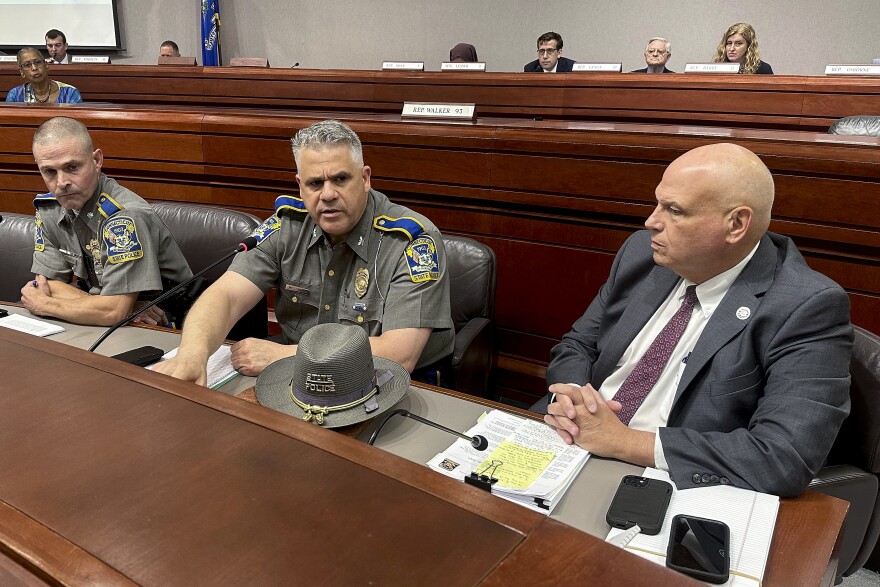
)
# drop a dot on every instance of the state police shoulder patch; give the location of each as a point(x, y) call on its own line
point(39, 243)
point(120, 236)
point(421, 256)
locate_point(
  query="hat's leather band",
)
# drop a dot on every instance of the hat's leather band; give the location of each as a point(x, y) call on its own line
point(318, 412)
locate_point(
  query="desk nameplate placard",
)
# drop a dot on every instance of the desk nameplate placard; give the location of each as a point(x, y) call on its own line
point(852, 70)
point(598, 67)
point(712, 68)
point(458, 66)
point(444, 111)
point(8, 59)
point(403, 66)
point(103, 59)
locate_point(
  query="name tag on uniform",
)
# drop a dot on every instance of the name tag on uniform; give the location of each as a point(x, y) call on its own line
point(597, 67)
point(852, 70)
point(104, 59)
point(403, 66)
point(712, 68)
point(456, 66)
point(446, 111)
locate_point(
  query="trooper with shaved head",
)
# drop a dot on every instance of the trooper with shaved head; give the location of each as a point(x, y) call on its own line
point(713, 351)
point(98, 247)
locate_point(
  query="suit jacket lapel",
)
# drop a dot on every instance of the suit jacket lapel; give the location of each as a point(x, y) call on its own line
point(754, 280)
point(639, 309)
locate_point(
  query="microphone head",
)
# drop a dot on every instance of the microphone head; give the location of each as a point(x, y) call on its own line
point(247, 244)
point(479, 442)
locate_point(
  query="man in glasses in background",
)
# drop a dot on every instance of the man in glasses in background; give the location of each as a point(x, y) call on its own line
point(657, 53)
point(550, 59)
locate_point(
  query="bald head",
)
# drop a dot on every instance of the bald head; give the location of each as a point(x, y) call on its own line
point(61, 129)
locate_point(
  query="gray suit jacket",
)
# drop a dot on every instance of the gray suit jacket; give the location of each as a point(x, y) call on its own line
point(761, 399)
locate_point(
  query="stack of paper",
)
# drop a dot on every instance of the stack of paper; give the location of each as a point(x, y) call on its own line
point(30, 325)
point(533, 465)
point(751, 517)
point(220, 369)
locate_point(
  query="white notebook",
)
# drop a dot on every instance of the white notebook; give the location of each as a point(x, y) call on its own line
point(751, 517)
point(30, 325)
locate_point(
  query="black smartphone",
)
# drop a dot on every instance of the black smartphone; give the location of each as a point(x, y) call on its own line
point(142, 356)
point(642, 501)
point(700, 548)
point(3, 313)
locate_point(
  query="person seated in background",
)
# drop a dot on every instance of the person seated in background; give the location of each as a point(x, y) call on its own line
point(713, 351)
point(550, 59)
point(342, 252)
point(740, 45)
point(657, 53)
point(91, 228)
point(463, 53)
point(169, 49)
point(56, 44)
point(38, 88)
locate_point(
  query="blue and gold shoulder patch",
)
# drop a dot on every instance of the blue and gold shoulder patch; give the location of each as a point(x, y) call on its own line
point(50, 197)
point(120, 236)
point(289, 203)
point(408, 226)
point(270, 225)
point(39, 243)
point(421, 257)
point(107, 206)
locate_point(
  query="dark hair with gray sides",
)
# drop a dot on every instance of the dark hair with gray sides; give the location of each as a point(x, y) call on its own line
point(62, 128)
point(327, 133)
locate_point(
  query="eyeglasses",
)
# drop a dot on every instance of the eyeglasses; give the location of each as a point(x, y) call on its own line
point(547, 51)
point(32, 63)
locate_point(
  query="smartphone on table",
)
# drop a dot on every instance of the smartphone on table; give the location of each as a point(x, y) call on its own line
point(642, 501)
point(700, 548)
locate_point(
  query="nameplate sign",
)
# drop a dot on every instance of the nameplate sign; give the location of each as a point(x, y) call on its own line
point(444, 111)
point(597, 67)
point(8, 59)
point(712, 68)
point(458, 66)
point(104, 59)
point(403, 66)
point(852, 70)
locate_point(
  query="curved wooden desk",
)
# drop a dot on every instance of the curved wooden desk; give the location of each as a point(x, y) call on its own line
point(554, 199)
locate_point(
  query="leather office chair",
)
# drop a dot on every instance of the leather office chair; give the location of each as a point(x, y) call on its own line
point(852, 468)
point(866, 126)
point(204, 234)
point(16, 254)
point(471, 267)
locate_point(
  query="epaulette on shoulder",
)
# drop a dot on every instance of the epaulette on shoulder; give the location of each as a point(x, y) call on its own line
point(291, 203)
point(406, 225)
point(39, 198)
point(107, 206)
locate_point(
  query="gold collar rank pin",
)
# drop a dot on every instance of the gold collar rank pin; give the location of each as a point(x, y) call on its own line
point(361, 282)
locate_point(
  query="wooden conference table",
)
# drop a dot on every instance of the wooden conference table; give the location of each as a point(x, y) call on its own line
point(113, 474)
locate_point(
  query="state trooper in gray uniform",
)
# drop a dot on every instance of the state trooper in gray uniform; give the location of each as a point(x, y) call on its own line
point(107, 237)
point(341, 253)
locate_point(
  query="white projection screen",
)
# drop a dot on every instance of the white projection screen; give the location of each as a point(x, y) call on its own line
point(87, 24)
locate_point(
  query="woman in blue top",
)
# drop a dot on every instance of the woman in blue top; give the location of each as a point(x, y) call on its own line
point(39, 89)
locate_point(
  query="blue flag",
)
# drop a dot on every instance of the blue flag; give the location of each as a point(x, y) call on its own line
point(210, 32)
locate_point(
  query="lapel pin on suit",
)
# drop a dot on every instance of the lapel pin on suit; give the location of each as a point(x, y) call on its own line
point(743, 312)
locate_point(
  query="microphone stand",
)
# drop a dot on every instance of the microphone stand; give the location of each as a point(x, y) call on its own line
point(248, 243)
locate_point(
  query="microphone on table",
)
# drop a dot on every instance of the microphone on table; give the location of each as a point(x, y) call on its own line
point(294, 65)
point(141, 355)
point(478, 442)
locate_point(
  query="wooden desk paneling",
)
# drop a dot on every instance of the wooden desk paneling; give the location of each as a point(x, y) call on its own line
point(554, 199)
point(783, 102)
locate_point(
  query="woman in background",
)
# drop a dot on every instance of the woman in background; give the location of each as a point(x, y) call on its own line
point(463, 53)
point(739, 45)
point(38, 88)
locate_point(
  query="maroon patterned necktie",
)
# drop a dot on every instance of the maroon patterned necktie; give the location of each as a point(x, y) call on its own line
point(645, 374)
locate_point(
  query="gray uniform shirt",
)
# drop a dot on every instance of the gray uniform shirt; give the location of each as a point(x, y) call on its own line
point(116, 244)
point(376, 278)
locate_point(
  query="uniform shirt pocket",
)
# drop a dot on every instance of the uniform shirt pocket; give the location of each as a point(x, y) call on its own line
point(365, 312)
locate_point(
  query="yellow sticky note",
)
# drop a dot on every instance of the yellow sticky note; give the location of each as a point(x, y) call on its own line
point(519, 467)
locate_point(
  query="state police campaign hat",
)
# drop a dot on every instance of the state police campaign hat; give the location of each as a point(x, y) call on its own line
point(333, 379)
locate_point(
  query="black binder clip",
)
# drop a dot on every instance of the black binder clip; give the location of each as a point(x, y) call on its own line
point(485, 479)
